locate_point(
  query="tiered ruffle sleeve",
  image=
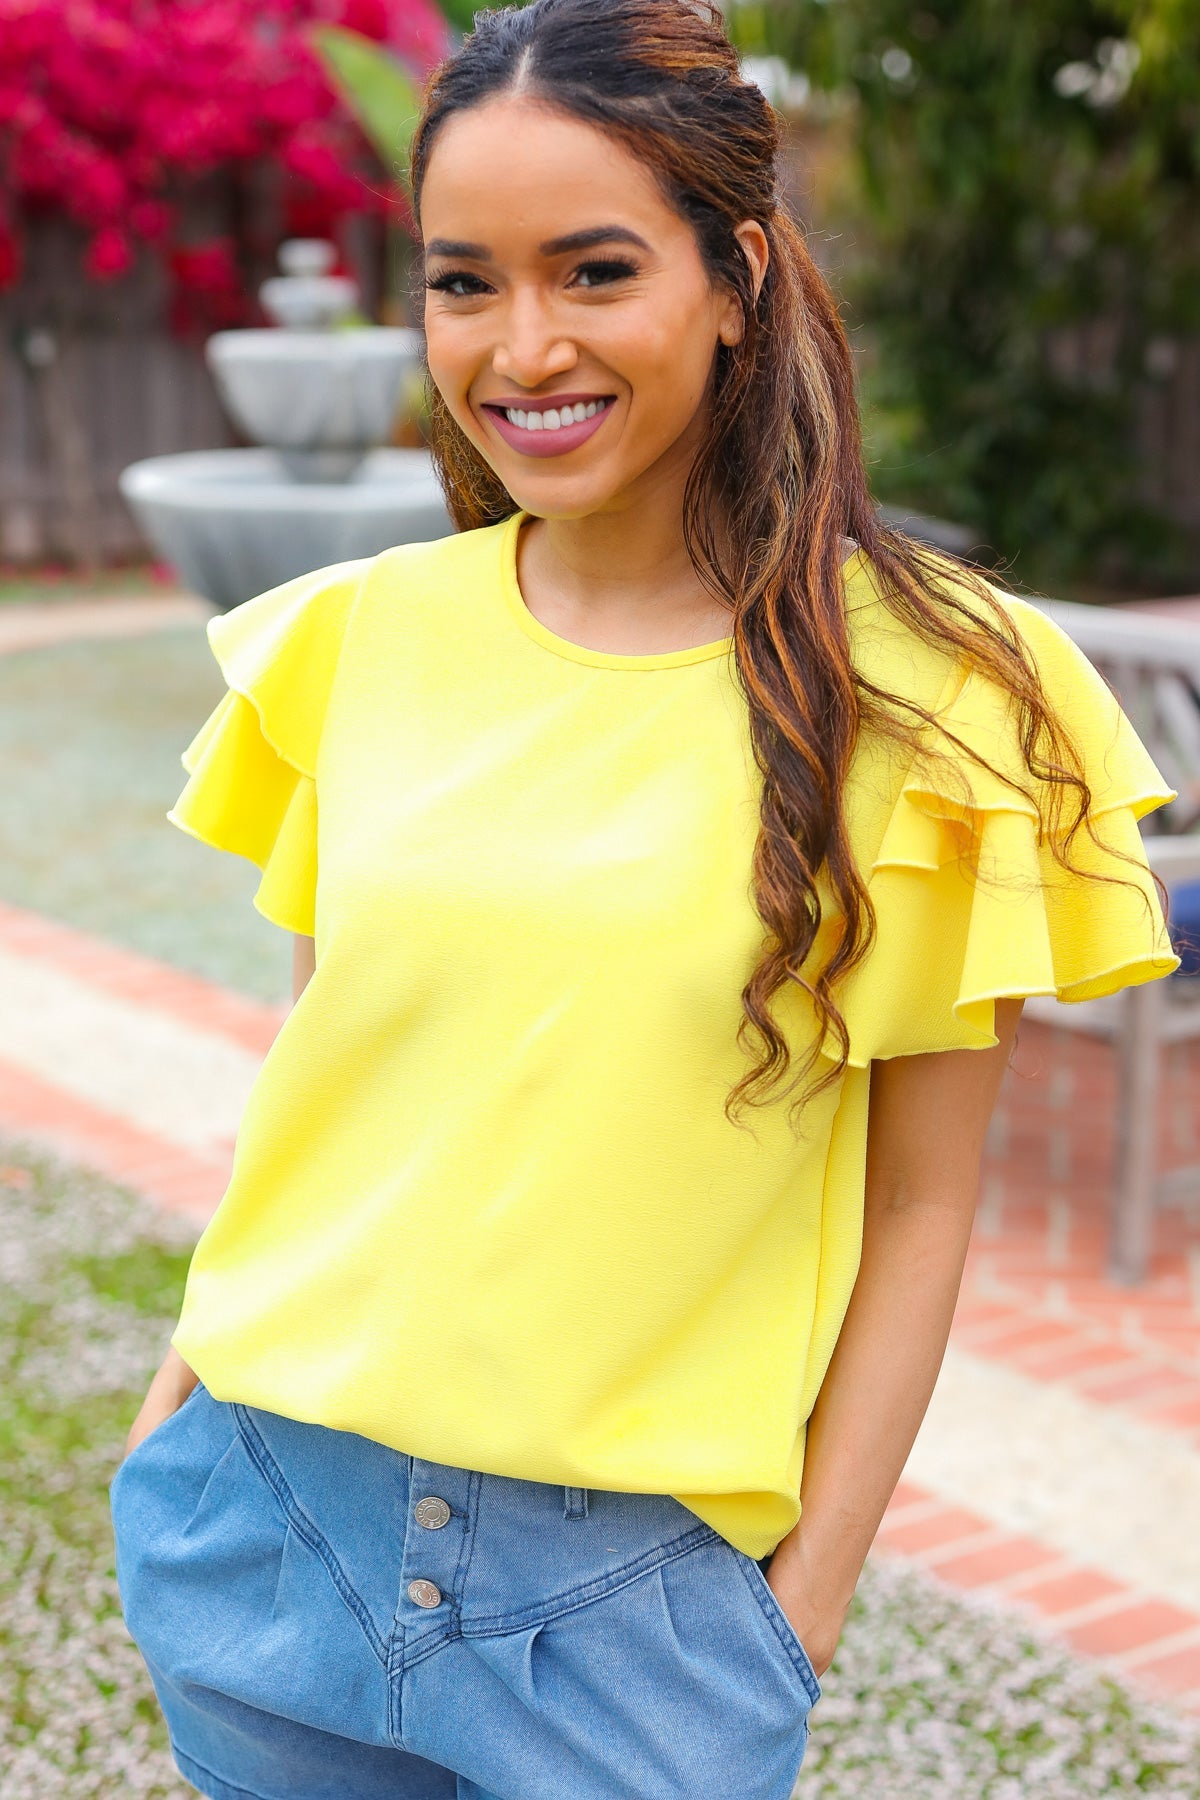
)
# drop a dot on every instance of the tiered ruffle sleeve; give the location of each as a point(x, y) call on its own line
point(971, 904)
point(252, 765)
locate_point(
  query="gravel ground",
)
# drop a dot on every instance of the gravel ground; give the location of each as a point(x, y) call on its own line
point(89, 1286)
point(929, 1697)
point(90, 738)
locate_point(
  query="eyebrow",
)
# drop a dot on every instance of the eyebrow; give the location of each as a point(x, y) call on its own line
point(590, 239)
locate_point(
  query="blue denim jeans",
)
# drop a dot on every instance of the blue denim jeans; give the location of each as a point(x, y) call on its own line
point(325, 1618)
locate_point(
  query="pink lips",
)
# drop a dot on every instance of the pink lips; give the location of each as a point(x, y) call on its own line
point(550, 443)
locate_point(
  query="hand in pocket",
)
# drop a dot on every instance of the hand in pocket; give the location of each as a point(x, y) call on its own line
point(171, 1386)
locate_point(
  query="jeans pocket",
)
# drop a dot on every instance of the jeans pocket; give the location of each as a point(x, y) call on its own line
point(784, 1631)
point(153, 1435)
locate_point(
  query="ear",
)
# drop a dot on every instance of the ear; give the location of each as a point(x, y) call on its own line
point(753, 240)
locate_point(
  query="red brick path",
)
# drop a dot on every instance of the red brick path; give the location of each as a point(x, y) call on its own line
point(1037, 1296)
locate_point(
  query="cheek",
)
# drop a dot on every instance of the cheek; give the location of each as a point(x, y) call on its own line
point(451, 363)
point(672, 365)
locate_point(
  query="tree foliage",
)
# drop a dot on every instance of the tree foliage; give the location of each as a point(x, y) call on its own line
point(1028, 179)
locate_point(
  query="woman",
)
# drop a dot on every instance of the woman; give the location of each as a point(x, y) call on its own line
point(597, 1218)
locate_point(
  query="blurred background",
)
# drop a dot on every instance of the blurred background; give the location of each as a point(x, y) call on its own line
point(209, 380)
point(1005, 197)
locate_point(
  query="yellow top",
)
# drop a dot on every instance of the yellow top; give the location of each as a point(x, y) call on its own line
point(485, 1205)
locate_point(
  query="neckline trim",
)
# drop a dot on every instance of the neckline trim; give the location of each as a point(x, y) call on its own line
point(582, 653)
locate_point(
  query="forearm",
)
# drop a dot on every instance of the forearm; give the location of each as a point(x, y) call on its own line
point(928, 1122)
point(175, 1378)
point(879, 1383)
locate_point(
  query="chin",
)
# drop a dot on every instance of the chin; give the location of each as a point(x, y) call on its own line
point(558, 500)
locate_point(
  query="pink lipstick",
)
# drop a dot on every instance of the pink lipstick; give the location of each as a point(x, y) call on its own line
point(553, 426)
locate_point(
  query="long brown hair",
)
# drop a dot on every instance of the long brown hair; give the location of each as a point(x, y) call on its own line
point(777, 486)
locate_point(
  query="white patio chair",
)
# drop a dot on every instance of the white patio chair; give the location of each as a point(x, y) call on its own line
point(1153, 664)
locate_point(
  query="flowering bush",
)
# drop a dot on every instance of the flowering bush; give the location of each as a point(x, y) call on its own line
point(112, 111)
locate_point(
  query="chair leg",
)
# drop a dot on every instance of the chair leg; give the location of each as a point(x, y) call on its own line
point(1139, 1050)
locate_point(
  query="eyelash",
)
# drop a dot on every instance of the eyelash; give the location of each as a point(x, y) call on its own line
point(618, 267)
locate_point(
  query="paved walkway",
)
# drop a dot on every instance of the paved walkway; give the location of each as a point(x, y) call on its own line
point(1058, 1470)
point(39, 624)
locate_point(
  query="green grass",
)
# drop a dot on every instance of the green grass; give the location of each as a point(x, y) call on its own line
point(148, 1277)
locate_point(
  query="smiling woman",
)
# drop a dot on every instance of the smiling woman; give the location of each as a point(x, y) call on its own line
point(543, 341)
point(668, 855)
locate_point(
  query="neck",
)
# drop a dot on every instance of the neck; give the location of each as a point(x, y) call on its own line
point(617, 558)
point(624, 571)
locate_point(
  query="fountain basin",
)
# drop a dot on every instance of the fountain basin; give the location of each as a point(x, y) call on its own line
point(234, 522)
point(322, 397)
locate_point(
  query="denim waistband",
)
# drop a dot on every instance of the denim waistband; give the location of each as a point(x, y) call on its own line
point(575, 1500)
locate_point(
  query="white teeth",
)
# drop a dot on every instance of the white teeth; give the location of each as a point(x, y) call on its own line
point(553, 419)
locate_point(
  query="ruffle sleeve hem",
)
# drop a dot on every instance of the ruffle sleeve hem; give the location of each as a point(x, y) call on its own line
point(971, 904)
point(252, 765)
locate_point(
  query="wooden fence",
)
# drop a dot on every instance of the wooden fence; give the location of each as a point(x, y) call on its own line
point(90, 379)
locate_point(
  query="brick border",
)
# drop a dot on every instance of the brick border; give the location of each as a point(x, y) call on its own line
point(37, 1112)
point(1141, 1638)
point(44, 624)
point(1098, 1366)
point(185, 999)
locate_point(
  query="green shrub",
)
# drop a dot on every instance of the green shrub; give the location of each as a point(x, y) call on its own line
point(1027, 172)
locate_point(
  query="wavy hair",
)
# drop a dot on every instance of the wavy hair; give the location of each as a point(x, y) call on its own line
point(777, 485)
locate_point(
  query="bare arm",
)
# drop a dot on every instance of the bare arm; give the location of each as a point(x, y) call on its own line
point(174, 1380)
point(928, 1119)
point(304, 963)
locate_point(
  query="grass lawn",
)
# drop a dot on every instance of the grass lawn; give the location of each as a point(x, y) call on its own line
point(929, 1697)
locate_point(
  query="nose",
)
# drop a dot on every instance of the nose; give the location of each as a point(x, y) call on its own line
point(532, 348)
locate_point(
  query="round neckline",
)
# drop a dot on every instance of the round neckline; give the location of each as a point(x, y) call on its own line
point(605, 659)
point(582, 653)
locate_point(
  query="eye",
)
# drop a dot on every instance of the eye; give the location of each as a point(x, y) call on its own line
point(458, 283)
point(602, 271)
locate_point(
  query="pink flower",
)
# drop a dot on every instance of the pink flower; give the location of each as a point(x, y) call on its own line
point(109, 254)
point(10, 257)
point(111, 111)
point(150, 219)
point(208, 268)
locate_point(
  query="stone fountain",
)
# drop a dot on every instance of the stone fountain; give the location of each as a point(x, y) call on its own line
point(320, 395)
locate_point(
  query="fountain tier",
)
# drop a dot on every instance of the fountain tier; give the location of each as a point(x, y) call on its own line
point(323, 395)
point(234, 522)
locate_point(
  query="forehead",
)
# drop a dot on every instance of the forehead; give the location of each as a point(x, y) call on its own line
point(512, 170)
